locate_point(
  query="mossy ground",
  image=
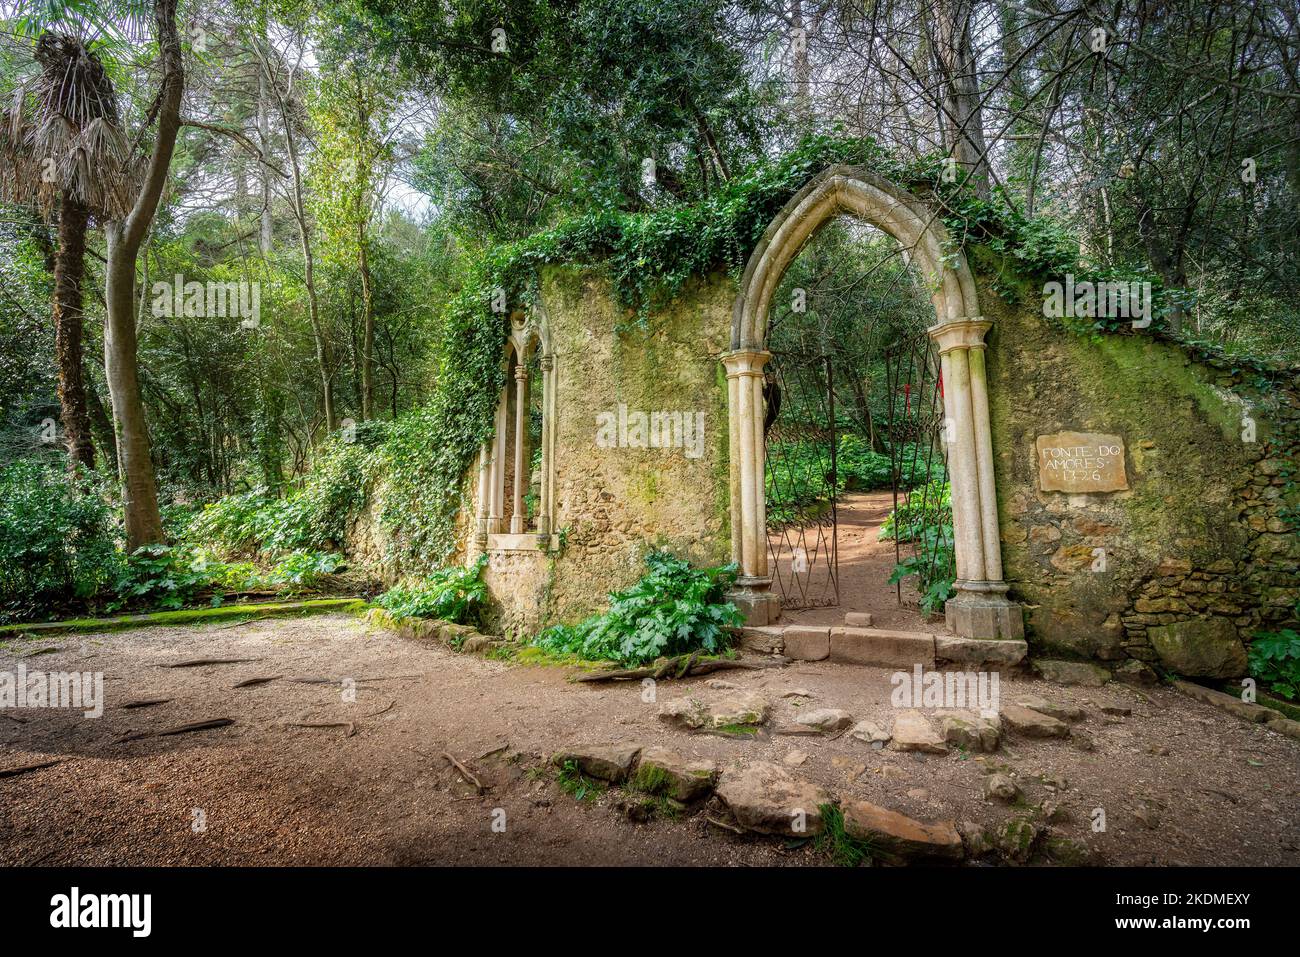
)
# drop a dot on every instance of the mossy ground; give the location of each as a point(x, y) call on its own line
point(186, 616)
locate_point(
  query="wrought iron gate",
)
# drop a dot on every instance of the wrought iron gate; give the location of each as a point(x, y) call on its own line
point(804, 481)
point(921, 522)
point(801, 478)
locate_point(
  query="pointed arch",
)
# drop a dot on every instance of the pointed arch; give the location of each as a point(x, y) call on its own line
point(505, 460)
point(980, 608)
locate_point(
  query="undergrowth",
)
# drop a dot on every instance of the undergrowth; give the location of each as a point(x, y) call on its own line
point(450, 594)
point(673, 609)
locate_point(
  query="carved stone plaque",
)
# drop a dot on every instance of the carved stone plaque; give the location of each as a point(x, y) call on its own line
point(1081, 462)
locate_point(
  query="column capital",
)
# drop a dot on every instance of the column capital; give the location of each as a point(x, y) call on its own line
point(547, 362)
point(521, 372)
point(745, 361)
point(964, 333)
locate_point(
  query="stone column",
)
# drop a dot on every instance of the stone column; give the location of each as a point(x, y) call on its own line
point(518, 520)
point(497, 473)
point(483, 506)
point(753, 593)
point(980, 608)
point(548, 432)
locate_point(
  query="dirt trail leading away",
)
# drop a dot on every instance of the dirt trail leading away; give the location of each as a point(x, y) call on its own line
point(865, 564)
point(1180, 782)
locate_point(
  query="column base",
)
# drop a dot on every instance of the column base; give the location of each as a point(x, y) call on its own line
point(756, 601)
point(982, 610)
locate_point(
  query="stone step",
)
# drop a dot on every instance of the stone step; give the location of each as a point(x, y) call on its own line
point(858, 619)
point(875, 646)
point(859, 646)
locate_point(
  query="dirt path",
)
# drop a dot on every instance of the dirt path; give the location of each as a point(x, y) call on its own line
point(865, 564)
point(1180, 783)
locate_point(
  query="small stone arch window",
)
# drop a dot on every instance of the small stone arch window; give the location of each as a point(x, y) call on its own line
point(516, 468)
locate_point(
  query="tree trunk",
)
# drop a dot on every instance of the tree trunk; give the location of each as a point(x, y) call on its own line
point(264, 141)
point(139, 490)
point(324, 353)
point(125, 237)
point(802, 67)
point(368, 328)
point(69, 270)
point(960, 97)
point(103, 430)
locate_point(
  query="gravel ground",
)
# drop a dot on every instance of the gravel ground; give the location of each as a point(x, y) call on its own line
point(1180, 783)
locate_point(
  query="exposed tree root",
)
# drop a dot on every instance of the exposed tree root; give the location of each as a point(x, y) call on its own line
point(681, 666)
point(25, 768)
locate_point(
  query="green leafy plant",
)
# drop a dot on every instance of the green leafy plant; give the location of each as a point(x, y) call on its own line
point(59, 538)
point(927, 507)
point(573, 782)
point(933, 565)
point(313, 517)
point(451, 594)
point(675, 608)
point(1275, 661)
point(159, 576)
point(302, 569)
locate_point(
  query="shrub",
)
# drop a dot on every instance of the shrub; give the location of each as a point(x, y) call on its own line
point(311, 518)
point(862, 468)
point(1275, 661)
point(933, 566)
point(59, 540)
point(928, 507)
point(672, 610)
point(451, 594)
point(302, 569)
point(925, 520)
point(159, 576)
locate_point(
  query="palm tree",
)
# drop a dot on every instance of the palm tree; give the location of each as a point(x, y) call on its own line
point(62, 149)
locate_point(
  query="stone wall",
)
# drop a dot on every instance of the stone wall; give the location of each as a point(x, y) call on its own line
point(1199, 552)
point(1181, 568)
point(612, 504)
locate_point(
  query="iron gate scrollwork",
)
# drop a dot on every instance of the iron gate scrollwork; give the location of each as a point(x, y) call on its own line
point(801, 478)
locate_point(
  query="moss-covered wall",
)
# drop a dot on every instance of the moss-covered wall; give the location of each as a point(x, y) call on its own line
point(612, 504)
point(1196, 555)
point(1199, 552)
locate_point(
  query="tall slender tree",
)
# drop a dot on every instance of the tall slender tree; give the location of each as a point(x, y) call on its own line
point(64, 151)
point(125, 236)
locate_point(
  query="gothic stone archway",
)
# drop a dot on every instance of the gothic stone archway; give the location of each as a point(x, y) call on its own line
point(980, 608)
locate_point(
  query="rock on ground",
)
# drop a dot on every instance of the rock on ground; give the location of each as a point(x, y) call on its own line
point(767, 799)
point(912, 732)
point(825, 720)
point(1200, 648)
point(666, 772)
point(1134, 672)
point(1032, 724)
point(1247, 711)
point(608, 762)
point(966, 729)
point(694, 714)
point(868, 732)
point(1000, 787)
point(1072, 672)
point(1053, 709)
point(1017, 838)
point(900, 837)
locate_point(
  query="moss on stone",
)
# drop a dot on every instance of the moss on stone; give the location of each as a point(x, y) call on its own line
point(187, 616)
